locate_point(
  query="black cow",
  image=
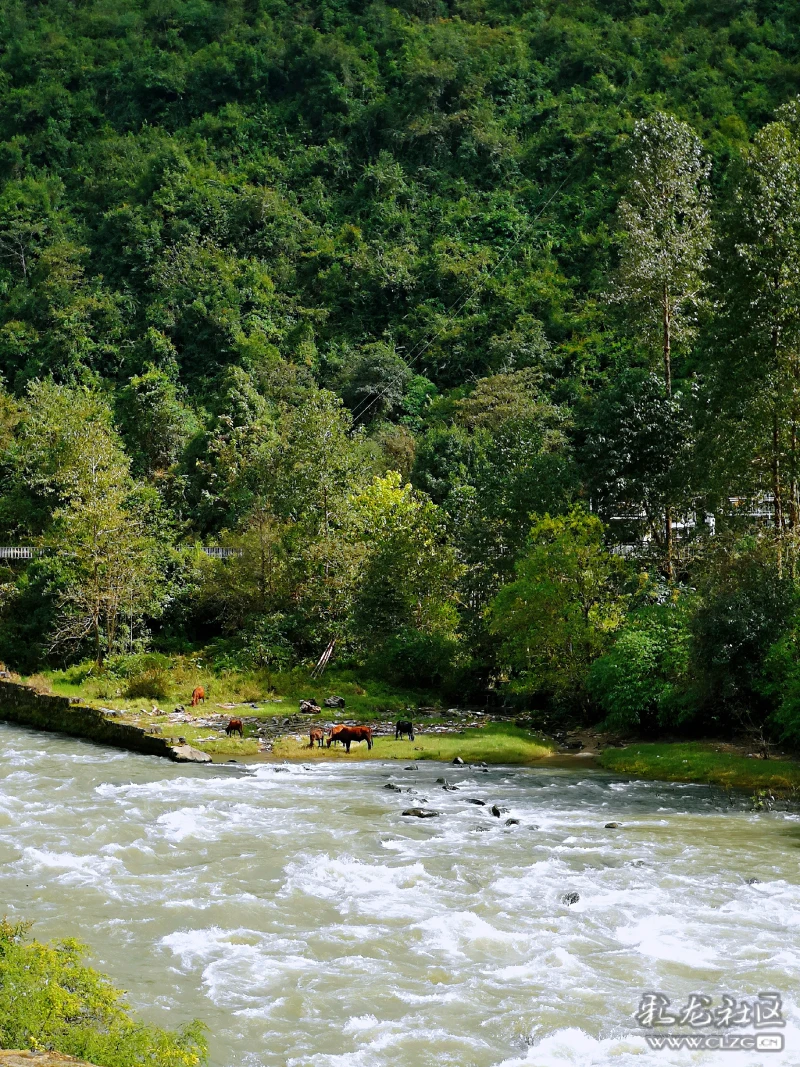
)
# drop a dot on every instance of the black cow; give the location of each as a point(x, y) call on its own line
point(404, 726)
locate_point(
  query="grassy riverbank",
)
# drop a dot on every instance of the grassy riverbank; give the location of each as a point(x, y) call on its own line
point(131, 683)
point(493, 743)
point(695, 761)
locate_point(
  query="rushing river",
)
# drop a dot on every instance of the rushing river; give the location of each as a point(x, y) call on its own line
point(308, 922)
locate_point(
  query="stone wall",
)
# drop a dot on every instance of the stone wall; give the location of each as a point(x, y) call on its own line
point(22, 705)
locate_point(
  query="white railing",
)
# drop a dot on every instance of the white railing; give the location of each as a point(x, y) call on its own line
point(28, 552)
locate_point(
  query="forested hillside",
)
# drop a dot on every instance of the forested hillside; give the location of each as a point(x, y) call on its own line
point(472, 327)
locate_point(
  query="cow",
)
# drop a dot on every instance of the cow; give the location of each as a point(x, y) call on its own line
point(235, 726)
point(404, 726)
point(316, 733)
point(198, 694)
point(348, 734)
point(333, 736)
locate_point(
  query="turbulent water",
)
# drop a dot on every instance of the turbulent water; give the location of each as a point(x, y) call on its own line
point(308, 922)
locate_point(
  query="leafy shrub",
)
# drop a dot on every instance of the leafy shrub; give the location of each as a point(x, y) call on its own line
point(49, 999)
point(640, 680)
point(129, 666)
point(261, 643)
point(559, 614)
point(747, 609)
point(77, 673)
point(39, 683)
point(412, 657)
point(152, 684)
point(782, 683)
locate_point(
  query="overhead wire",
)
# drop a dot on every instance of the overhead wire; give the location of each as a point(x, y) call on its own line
point(460, 303)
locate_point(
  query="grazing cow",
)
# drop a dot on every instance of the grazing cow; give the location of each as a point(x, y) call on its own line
point(198, 694)
point(404, 726)
point(333, 736)
point(235, 726)
point(348, 734)
point(316, 733)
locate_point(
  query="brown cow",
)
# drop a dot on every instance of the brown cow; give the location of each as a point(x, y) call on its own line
point(233, 726)
point(348, 734)
point(198, 694)
point(333, 736)
point(316, 733)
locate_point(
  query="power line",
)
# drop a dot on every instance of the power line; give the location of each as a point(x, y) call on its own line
point(460, 303)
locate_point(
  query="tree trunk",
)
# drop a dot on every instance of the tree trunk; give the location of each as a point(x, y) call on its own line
point(776, 473)
point(667, 322)
point(668, 541)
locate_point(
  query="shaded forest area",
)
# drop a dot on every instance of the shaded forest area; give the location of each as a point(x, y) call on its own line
point(472, 327)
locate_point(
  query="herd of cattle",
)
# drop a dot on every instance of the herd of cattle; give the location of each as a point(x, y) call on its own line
point(343, 735)
point(346, 735)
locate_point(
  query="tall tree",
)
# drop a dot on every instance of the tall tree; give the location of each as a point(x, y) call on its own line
point(106, 562)
point(556, 618)
point(664, 241)
point(762, 298)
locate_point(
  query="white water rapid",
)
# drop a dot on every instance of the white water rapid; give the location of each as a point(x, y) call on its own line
point(307, 922)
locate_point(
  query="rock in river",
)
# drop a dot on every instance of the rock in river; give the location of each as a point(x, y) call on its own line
point(612, 826)
point(187, 754)
point(497, 811)
point(458, 762)
point(421, 813)
point(570, 898)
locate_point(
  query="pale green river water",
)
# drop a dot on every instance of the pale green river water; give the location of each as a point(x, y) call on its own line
point(307, 922)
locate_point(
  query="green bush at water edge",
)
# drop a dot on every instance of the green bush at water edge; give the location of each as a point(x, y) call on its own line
point(50, 1000)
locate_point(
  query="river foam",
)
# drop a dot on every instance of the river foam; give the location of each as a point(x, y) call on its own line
point(308, 922)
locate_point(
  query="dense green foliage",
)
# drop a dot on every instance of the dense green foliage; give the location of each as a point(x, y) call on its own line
point(50, 999)
point(472, 327)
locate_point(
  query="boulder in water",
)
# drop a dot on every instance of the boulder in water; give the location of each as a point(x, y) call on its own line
point(421, 813)
point(458, 762)
point(497, 811)
point(570, 898)
point(512, 822)
point(472, 800)
point(612, 826)
point(186, 754)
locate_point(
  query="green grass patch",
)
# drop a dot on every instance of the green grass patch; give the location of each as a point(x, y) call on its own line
point(493, 743)
point(694, 761)
point(167, 681)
